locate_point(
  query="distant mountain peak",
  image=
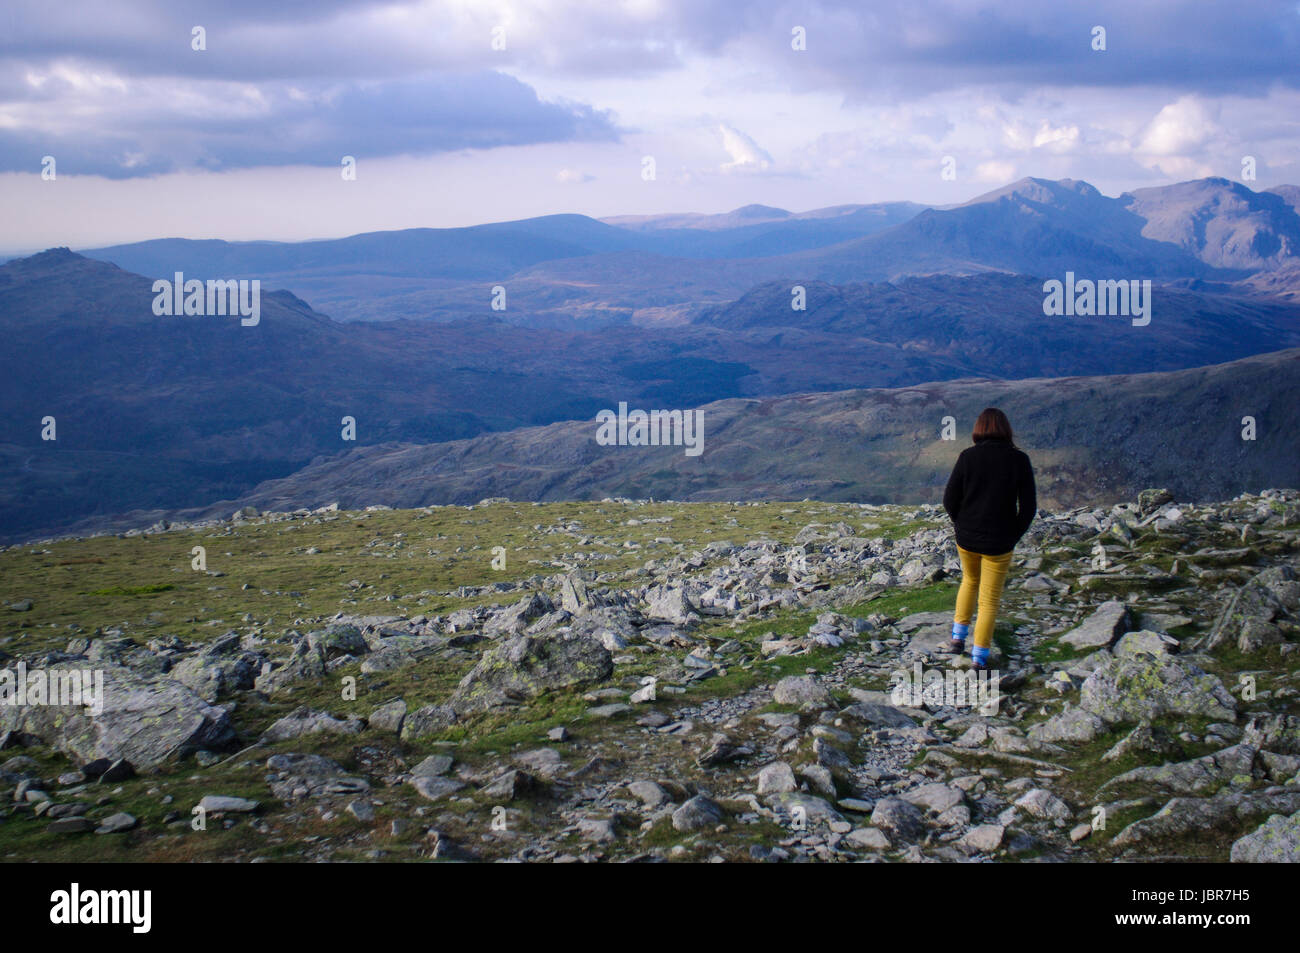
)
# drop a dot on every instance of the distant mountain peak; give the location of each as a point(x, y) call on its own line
point(51, 256)
point(1040, 191)
point(760, 211)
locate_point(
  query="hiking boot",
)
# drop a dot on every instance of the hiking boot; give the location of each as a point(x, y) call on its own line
point(956, 647)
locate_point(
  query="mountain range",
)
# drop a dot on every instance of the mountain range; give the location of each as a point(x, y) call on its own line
point(1091, 439)
point(563, 270)
point(161, 413)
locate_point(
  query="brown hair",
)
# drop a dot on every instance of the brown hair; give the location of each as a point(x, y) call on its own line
point(992, 424)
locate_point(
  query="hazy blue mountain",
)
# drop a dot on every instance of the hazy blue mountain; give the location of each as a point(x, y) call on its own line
point(1092, 440)
point(1222, 223)
point(174, 411)
point(571, 271)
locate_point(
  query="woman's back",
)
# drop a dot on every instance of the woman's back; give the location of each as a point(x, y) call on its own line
point(991, 496)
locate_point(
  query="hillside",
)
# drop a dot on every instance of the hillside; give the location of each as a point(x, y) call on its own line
point(658, 682)
point(1092, 440)
point(159, 412)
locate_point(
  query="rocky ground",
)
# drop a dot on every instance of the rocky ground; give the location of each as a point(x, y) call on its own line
point(624, 680)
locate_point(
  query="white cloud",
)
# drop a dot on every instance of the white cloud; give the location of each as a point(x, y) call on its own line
point(995, 172)
point(1178, 128)
point(746, 154)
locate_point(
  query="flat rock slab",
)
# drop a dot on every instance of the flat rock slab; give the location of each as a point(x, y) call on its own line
point(436, 788)
point(1107, 623)
point(145, 722)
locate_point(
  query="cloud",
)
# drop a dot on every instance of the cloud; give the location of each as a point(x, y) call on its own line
point(572, 176)
point(995, 172)
point(162, 126)
point(1181, 126)
point(746, 155)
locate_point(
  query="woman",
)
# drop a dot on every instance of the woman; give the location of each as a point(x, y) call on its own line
point(992, 500)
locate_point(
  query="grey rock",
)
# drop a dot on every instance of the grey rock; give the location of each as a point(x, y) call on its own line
point(1042, 803)
point(1107, 623)
point(296, 775)
point(525, 666)
point(221, 804)
point(1073, 725)
point(1143, 688)
point(934, 797)
point(436, 788)
point(304, 721)
point(118, 823)
point(433, 766)
point(696, 813)
point(983, 839)
point(1182, 816)
point(897, 818)
point(811, 808)
point(867, 838)
point(388, 717)
point(1276, 841)
point(427, 720)
point(650, 794)
point(144, 722)
point(802, 690)
point(1198, 776)
point(776, 778)
point(512, 785)
point(338, 640)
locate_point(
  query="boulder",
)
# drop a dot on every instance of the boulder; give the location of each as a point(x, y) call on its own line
point(525, 667)
point(338, 640)
point(427, 720)
point(1277, 841)
point(304, 721)
point(1107, 623)
point(145, 722)
point(697, 813)
point(1144, 687)
point(802, 690)
point(293, 776)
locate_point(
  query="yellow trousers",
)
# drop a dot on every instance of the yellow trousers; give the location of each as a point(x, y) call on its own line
point(981, 576)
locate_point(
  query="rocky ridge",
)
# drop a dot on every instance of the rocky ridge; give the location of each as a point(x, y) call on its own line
point(730, 702)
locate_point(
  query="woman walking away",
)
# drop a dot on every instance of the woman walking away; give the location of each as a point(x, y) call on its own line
point(992, 500)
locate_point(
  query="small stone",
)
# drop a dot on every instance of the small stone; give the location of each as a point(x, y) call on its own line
point(697, 813)
point(118, 823)
point(776, 778)
point(598, 830)
point(867, 838)
point(220, 804)
point(362, 810)
point(985, 838)
point(433, 766)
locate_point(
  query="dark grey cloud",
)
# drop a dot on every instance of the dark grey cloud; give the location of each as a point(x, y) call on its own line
point(116, 89)
point(902, 48)
point(418, 116)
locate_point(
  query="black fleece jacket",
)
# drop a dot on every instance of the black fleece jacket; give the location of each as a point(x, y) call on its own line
point(991, 497)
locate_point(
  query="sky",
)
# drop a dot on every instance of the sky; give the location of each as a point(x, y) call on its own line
point(180, 118)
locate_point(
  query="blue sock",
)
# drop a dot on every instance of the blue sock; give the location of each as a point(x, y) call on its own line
point(959, 632)
point(979, 656)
